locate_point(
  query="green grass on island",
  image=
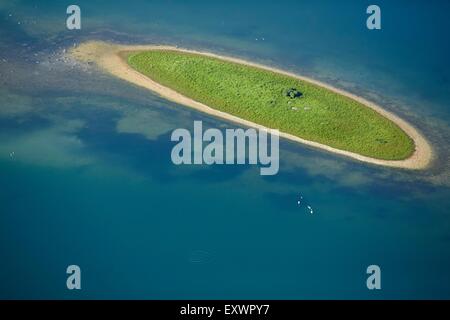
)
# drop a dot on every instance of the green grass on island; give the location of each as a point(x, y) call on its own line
point(277, 101)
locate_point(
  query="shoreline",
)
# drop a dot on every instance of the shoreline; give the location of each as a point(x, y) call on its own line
point(110, 57)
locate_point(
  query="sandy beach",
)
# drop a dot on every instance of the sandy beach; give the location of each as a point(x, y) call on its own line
point(110, 58)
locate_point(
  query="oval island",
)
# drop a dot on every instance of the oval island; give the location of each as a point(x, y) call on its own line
point(302, 109)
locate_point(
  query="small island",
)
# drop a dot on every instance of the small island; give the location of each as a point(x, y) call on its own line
point(302, 109)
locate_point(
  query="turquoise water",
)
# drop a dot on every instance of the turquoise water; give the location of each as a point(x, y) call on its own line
point(86, 176)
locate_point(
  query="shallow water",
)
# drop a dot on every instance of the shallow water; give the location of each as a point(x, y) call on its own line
point(86, 176)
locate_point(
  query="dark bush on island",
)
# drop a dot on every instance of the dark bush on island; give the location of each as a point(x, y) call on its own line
point(293, 93)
